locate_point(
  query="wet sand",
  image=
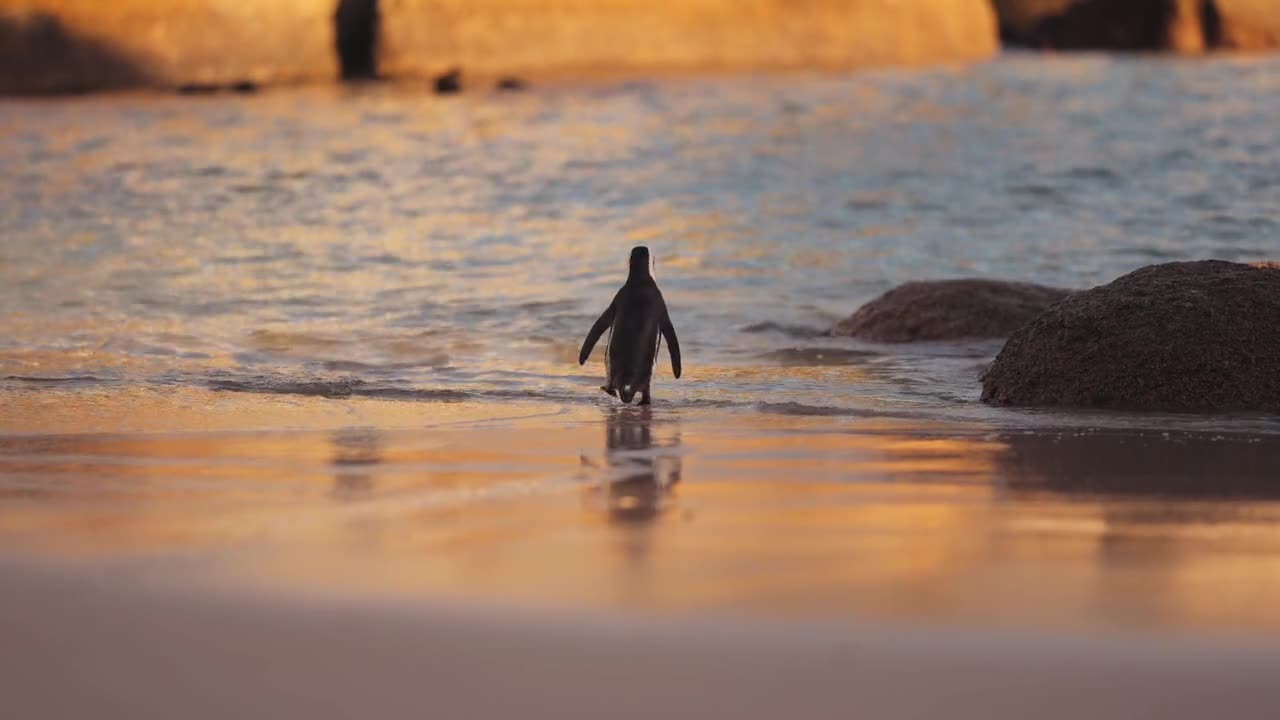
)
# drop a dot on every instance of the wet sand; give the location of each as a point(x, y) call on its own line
point(211, 554)
point(661, 511)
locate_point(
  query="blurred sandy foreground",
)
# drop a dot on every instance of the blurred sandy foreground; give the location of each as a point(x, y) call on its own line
point(80, 45)
point(79, 643)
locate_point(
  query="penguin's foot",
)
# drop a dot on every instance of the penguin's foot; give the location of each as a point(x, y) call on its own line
point(612, 391)
point(645, 399)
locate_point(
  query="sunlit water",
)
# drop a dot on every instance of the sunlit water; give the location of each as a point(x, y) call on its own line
point(407, 278)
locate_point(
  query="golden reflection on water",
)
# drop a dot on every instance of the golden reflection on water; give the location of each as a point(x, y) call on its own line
point(646, 509)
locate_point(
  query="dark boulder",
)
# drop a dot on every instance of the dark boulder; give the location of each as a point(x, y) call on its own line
point(1191, 336)
point(949, 310)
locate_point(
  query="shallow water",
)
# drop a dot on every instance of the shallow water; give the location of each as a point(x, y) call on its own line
point(661, 510)
point(210, 302)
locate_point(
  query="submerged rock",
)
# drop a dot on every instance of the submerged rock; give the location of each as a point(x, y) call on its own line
point(1190, 336)
point(509, 83)
point(448, 82)
point(242, 87)
point(949, 310)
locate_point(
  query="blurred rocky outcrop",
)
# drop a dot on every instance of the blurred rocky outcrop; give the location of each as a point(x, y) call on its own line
point(55, 46)
point(50, 46)
point(1186, 26)
point(491, 38)
point(1182, 337)
point(1244, 24)
point(1019, 19)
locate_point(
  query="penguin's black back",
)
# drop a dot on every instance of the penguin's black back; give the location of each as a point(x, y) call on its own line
point(636, 318)
point(633, 342)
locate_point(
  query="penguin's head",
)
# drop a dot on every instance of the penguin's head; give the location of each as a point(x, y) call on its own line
point(639, 261)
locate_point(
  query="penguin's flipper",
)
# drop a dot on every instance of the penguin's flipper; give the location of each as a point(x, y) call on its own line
point(602, 324)
point(673, 345)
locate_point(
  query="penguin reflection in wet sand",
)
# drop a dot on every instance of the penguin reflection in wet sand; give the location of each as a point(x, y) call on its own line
point(634, 318)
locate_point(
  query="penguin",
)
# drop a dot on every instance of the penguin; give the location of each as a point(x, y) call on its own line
point(635, 318)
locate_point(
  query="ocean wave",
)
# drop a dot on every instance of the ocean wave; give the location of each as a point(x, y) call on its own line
point(795, 408)
point(818, 356)
point(794, 331)
point(53, 380)
point(336, 388)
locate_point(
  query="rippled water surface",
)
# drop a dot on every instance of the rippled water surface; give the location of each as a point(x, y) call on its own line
point(385, 239)
point(382, 257)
